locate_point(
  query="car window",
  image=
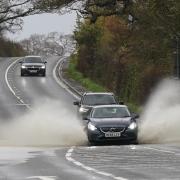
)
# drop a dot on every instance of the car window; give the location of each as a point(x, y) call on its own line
point(98, 99)
point(110, 112)
point(32, 60)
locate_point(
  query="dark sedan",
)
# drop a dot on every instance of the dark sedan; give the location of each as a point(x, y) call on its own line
point(33, 65)
point(111, 123)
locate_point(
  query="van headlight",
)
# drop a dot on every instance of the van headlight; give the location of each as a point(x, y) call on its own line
point(83, 110)
point(132, 126)
point(91, 127)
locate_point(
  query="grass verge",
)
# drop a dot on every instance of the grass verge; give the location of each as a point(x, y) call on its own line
point(85, 82)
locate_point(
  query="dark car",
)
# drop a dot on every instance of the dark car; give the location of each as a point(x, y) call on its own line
point(111, 123)
point(91, 99)
point(33, 65)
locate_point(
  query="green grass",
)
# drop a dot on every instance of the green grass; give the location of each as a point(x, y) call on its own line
point(134, 107)
point(85, 82)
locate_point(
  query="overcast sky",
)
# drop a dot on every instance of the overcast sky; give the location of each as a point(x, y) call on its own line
point(45, 23)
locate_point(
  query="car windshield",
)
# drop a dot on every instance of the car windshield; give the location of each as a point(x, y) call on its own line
point(110, 112)
point(98, 99)
point(32, 60)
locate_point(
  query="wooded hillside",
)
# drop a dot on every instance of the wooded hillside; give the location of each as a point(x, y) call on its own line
point(129, 56)
point(9, 48)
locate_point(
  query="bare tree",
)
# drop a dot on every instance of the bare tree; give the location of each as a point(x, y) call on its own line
point(12, 11)
point(52, 44)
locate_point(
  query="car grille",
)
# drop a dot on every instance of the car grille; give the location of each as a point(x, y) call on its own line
point(33, 67)
point(112, 129)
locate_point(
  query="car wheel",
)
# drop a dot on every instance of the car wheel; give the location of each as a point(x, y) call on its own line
point(135, 142)
point(22, 74)
point(44, 74)
point(92, 143)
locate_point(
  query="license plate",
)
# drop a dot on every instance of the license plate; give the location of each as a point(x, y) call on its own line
point(110, 134)
point(33, 71)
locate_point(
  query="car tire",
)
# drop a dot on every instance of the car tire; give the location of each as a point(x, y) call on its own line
point(22, 74)
point(135, 142)
point(92, 143)
point(44, 74)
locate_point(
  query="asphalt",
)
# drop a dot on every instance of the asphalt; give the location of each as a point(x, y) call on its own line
point(70, 162)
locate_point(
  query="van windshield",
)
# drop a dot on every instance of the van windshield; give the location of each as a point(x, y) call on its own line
point(33, 60)
point(98, 99)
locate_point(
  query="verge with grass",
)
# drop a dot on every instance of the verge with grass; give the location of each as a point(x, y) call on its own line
point(85, 82)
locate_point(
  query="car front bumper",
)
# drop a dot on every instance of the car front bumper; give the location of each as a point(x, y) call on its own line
point(33, 71)
point(98, 136)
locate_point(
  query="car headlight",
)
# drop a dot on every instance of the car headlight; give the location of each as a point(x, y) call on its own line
point(91, 127)
point(23, 67)
point(43, 67)
point(83, 110)
point(132, 126)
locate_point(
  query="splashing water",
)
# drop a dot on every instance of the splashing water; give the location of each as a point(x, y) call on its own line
point(160, 121)
point(48, 124)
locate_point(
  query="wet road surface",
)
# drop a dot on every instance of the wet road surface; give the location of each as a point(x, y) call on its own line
point(121, 162)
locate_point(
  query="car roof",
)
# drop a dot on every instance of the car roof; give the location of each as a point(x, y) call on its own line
point(110, 105)
point(32, 56)
point(96, 93)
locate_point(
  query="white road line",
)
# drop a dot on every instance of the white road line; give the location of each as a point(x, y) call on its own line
point(9, 86)
point(43, 177)
point(77, 163)
point(160, 150)
point(19, 104)
point(61, 83)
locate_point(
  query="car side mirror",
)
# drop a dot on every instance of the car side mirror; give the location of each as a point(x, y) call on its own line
point(20, 62)
point(121, 103)
point(45, 62)
point(87, 118)
point(76, 103)
point(134, 115)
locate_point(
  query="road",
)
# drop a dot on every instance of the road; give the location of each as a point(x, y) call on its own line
point(42, 142)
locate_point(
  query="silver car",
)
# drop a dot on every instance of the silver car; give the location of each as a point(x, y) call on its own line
point(33, 65)
point(91, 99)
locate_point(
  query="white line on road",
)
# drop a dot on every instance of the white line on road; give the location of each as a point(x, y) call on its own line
point(9, 86)
point(61, 83)
point(160, 150)
point(77, 163)
point(42, 177)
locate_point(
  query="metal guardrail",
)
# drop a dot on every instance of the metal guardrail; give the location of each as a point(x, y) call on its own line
point(59, 73)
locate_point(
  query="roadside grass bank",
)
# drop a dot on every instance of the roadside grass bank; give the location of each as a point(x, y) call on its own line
point(90, 85)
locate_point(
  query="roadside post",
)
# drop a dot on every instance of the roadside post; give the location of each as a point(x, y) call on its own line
point(177, 57)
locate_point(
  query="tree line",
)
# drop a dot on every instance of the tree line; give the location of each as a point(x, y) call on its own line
point(125, 45)
point(12, 12)
point(53, 43)
point(128, 50)
point(10, 48)
point(11, 19)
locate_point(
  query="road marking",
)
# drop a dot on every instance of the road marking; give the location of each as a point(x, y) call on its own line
point(43, 177)
point(160, 150)
point(9, 86)
point(61, 83)
point(68, 157)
